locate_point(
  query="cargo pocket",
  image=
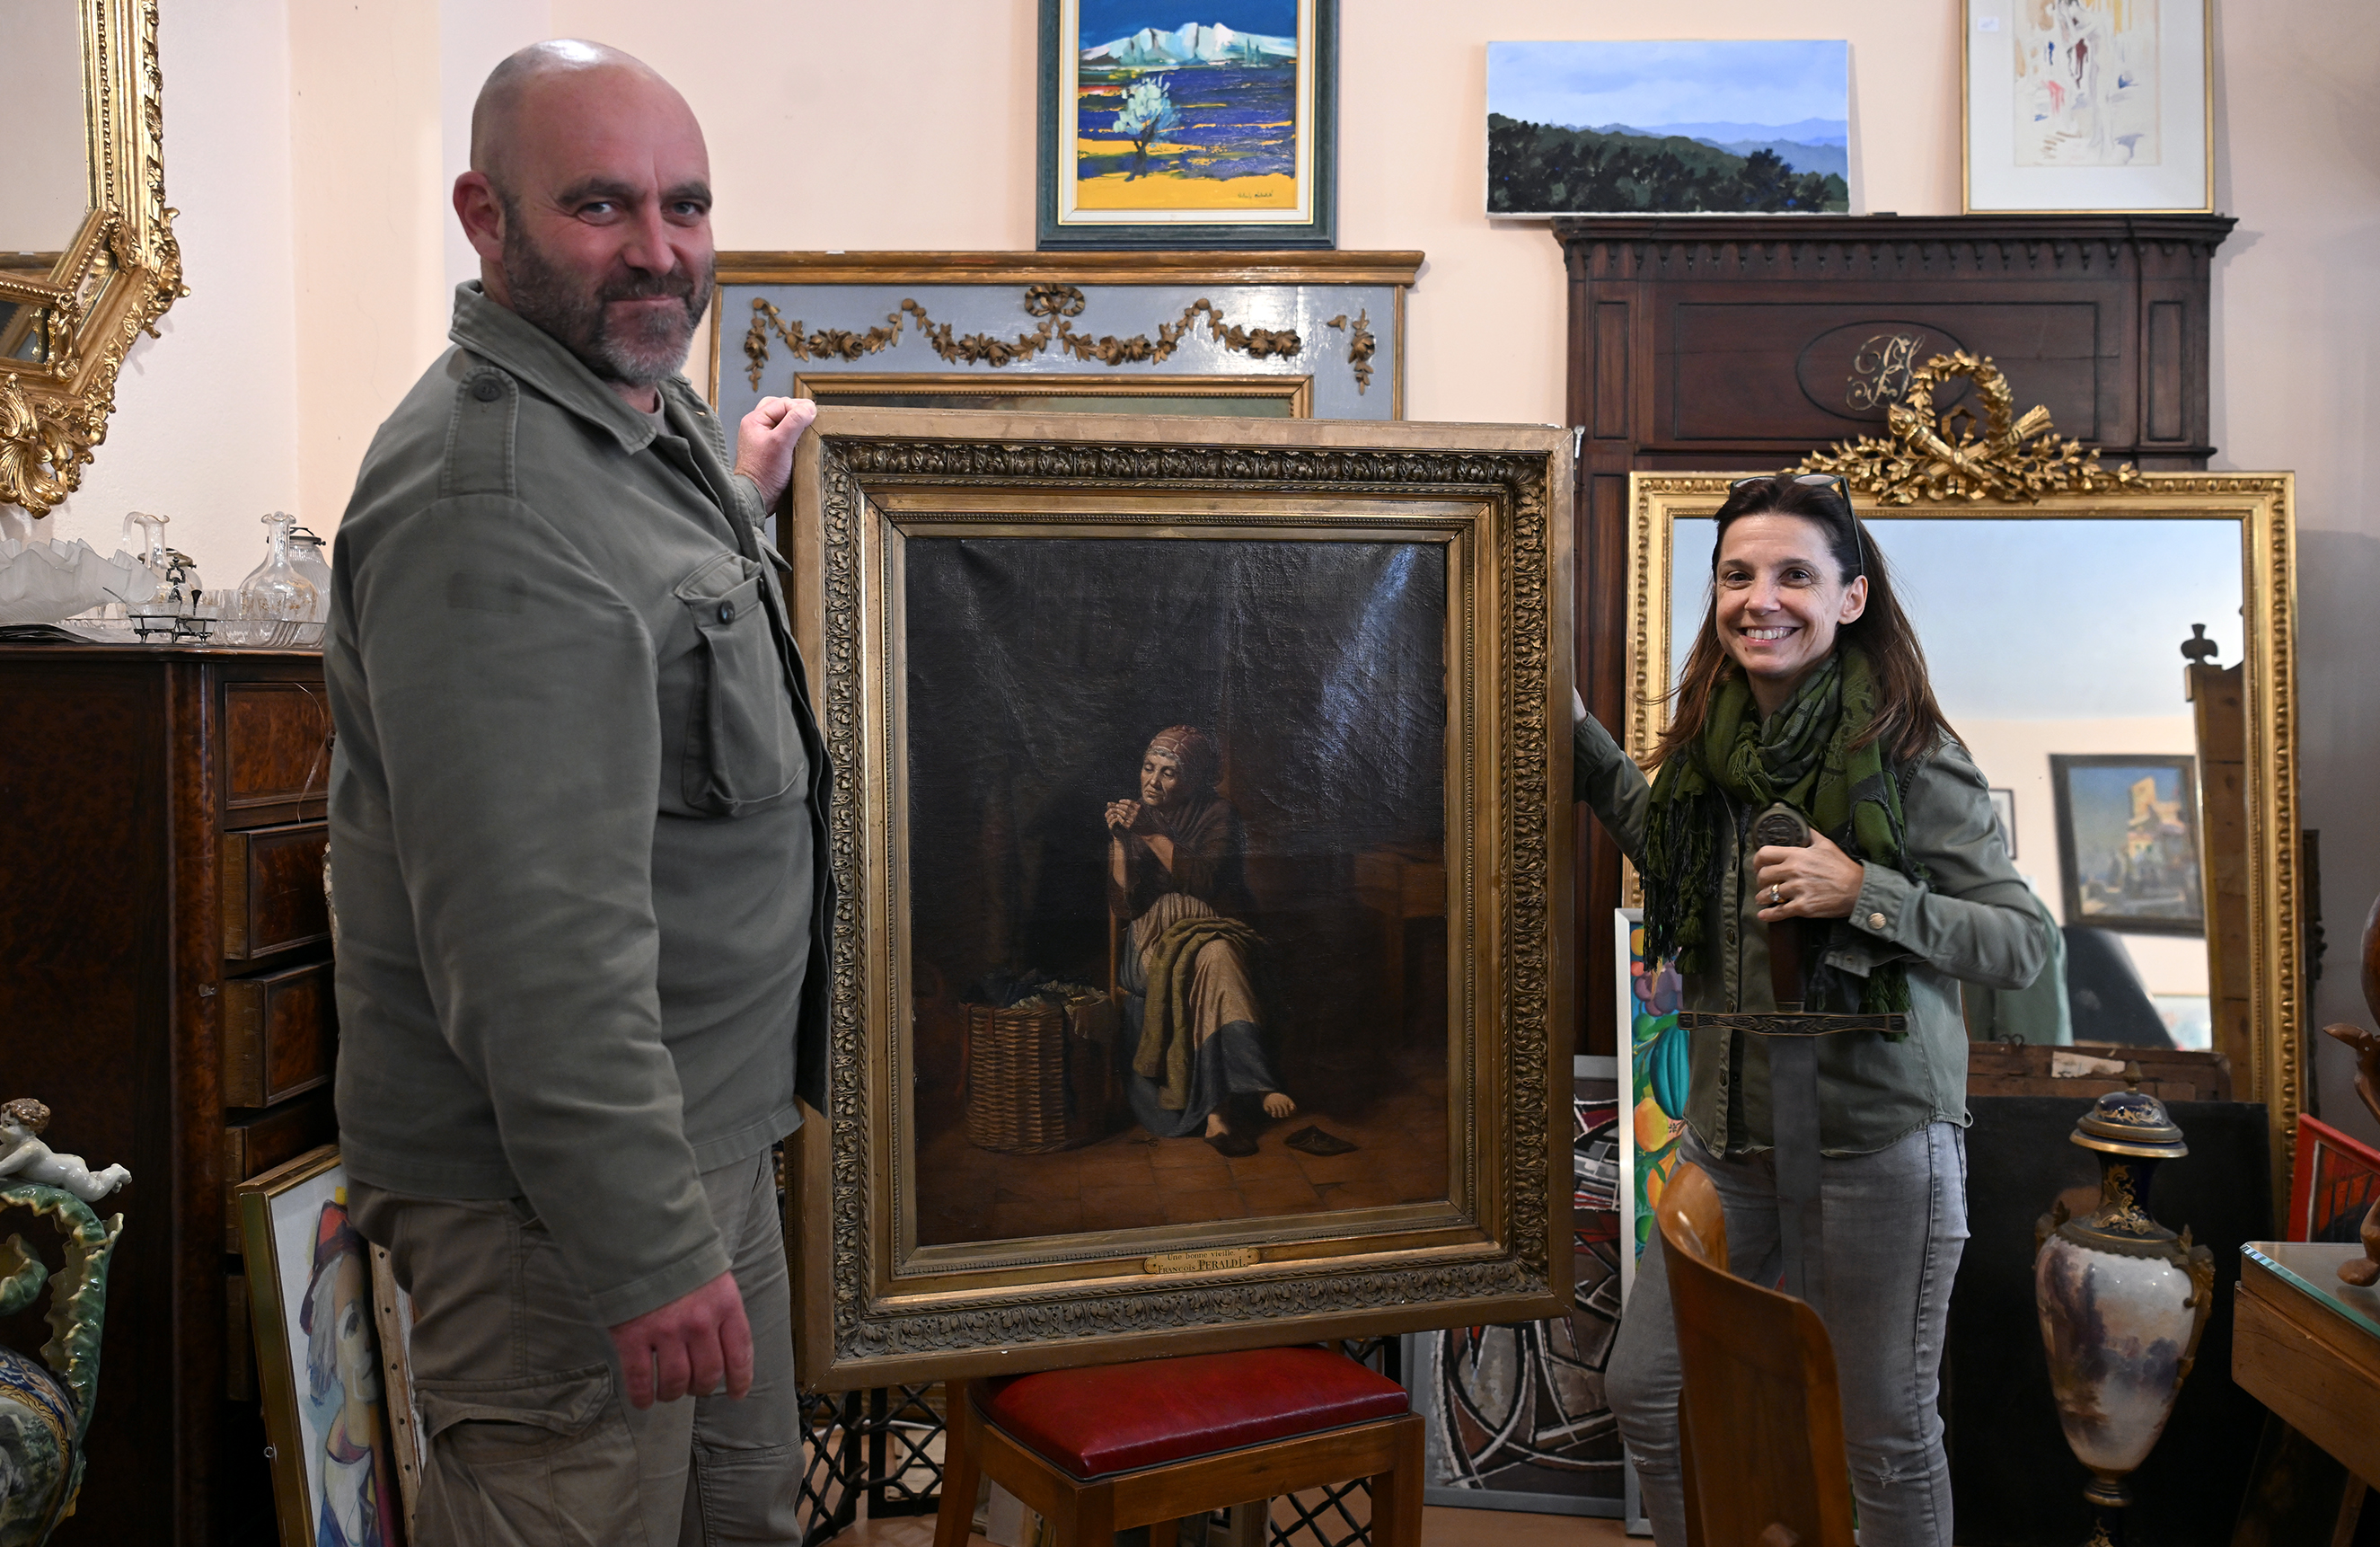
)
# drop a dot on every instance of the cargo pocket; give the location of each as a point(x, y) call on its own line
point(743, 750)
point(529, 1462)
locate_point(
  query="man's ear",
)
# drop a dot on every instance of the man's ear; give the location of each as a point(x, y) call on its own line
point(482, 214)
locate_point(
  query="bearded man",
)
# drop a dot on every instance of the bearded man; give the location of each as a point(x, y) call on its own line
point(574, 806)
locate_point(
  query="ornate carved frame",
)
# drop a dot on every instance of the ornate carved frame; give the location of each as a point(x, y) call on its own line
point(2263, 504)
point(874, 1307)
point(116, 278)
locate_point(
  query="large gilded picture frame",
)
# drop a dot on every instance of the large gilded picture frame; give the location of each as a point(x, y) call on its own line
point(2237, 529)
point(1122, 1066)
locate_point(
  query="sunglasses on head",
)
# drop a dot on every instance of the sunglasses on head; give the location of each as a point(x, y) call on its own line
point(1815, 481)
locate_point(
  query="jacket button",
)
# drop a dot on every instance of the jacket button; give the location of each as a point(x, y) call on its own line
point(487, 389)
point(727, 615)
point(1875, 920)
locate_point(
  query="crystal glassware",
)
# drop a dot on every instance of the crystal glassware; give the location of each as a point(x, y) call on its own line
point(276, 597)
point(307, 556)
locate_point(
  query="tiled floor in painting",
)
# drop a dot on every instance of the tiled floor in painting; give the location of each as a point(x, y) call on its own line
point(1129, 1180)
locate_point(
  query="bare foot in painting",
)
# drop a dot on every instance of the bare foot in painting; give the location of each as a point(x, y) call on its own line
point(1226, 1142)
point(1277, 1104)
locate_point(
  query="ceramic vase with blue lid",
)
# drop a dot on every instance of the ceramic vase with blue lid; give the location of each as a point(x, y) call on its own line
point(2122, 1301)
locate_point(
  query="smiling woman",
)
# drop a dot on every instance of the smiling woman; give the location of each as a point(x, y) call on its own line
point(1819, 858)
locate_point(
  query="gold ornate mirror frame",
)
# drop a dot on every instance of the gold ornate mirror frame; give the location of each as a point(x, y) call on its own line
point(2008, 466)
point(116, 278)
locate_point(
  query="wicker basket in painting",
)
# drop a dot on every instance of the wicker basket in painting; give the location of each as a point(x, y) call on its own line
point(1038, 1074)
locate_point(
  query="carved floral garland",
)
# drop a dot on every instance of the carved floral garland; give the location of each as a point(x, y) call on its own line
point(1054, 304)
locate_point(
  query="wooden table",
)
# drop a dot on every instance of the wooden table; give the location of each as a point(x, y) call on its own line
point(2307, 1346)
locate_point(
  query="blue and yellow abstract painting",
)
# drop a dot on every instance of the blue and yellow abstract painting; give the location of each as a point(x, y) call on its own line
point(1652, 1087)
point(1190, 105)
point(1735, 127)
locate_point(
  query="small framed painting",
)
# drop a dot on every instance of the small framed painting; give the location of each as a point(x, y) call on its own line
point(2128, 841)
point(1742, 126)
point(319, 1369)
point(2336, 1180)
point(1181, 126)
point(2088, 106)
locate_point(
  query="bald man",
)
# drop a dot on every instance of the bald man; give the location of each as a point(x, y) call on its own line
point(576, 805)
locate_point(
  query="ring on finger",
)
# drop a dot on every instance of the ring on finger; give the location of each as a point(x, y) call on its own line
point(1776, 896)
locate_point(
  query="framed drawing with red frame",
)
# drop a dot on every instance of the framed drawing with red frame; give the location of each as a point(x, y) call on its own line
point(2332, 1185)
point(1200, 835)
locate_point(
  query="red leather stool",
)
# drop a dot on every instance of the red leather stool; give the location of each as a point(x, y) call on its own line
point(1103, 1450)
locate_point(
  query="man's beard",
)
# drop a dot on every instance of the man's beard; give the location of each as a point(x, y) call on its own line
point(648, 351)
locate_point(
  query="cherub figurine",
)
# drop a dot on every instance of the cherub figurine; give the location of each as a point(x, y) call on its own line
point(2364, 1270)
point(22, 1154)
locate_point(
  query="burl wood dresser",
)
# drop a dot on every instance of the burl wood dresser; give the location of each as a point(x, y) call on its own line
point(165, 987)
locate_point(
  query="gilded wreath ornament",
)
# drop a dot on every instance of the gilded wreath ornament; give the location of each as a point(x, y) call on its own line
point(1939, 457)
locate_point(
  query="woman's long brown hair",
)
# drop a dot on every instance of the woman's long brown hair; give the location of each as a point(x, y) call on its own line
point(1908, 721)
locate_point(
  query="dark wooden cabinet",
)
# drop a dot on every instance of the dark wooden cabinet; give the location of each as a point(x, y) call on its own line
point(1744, 343)
point(167, 992)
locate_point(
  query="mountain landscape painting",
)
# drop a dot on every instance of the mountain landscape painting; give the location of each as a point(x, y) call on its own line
point(1176, 111)
point(1741, 128)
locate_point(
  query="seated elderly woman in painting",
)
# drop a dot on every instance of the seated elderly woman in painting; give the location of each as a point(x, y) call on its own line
point(1175, 860)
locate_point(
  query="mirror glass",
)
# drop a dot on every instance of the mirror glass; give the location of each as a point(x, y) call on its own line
point(48, 188)
point(2051, 641)
point(48, 194)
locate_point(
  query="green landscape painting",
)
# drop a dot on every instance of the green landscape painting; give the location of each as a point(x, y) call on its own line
point(1756, 127)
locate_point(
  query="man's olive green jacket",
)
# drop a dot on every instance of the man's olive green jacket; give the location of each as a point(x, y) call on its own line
point(575, 804)
point(1973, 919)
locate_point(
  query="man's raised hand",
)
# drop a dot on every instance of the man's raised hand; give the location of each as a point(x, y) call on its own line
point(765, 442)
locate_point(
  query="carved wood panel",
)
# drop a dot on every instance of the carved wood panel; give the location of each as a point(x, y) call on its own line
point(1744, 342)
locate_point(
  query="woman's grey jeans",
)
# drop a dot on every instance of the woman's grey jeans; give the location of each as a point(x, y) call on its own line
point(1896, 1221)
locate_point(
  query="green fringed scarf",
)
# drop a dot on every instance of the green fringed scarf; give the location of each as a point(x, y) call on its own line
point(1803, 755)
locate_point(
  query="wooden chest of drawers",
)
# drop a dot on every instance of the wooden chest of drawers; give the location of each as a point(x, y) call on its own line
point(166, 990)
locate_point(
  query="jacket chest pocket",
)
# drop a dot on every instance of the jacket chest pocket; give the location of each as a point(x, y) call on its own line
point(742, 748)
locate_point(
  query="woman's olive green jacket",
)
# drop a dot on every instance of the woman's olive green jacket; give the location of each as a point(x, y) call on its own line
point(1972, 920)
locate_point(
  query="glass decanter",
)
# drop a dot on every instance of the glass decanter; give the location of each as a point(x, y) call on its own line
point(307, 556)
point(275, 600)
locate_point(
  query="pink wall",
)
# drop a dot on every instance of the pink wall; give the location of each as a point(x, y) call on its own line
point(309, 147)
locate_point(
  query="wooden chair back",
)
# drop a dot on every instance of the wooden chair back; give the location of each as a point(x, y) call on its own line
point(1760, 1416)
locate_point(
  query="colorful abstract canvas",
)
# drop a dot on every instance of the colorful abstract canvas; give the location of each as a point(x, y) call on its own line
point(1188, 114)
point(1669, 128)
point(1652, 1085)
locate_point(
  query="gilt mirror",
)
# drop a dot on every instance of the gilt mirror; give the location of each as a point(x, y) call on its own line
point(87, 253)
point(2146, 791)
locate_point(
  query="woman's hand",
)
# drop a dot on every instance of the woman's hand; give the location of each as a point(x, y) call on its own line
point(1123, 816)
point(1820, 882)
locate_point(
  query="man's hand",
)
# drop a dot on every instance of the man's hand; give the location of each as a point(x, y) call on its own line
point(694, 1340)
point(765, 440)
